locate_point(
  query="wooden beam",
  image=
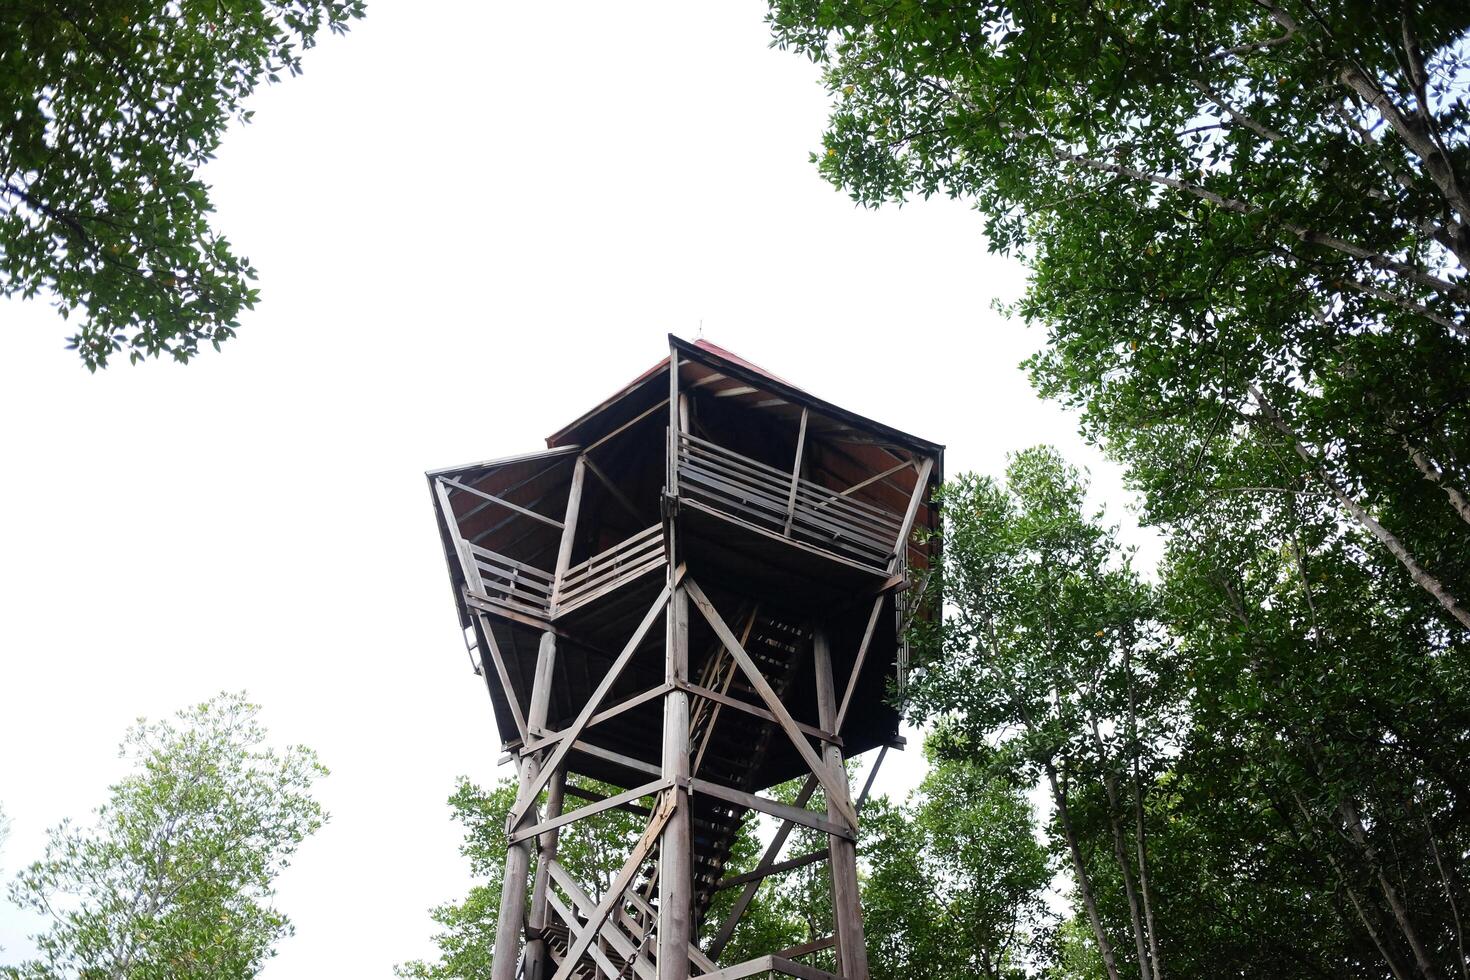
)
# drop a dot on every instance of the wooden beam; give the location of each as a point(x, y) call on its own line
point(616, 758)
point(750, 709)
point(467, 566)
point(676, 847)
point(586, 794)
point(857, 663)
point(591, 809)
point(626, 425)
point(847, 916)
point(773, 851)
point(501, 501)
point(872, 775)
point(574, 731)
point(921, 484)
point(499, 664)
point(771, 964)
point(865, 483)
point(790, 864)
point(805, 949)
point(783, 811)
point(620, 884)
point(615, 937)
point(795, 473)
point(608, 931)
point(626, 705)
point(773, 702)
point(569, 528)
point(612, 488)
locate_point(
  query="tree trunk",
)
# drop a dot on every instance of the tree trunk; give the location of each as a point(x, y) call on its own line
point(1387, 538)
point(1084, 883)
point(1395, 903)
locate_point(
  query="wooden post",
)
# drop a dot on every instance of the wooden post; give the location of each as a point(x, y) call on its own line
point(795, 474)
point(518, 854)
point(847, 915)
point(675, 855)
point(569, 529)
point(536, 958)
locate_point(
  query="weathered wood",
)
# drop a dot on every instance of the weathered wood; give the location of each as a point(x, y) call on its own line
point(467, 566)
point(591, 809)
point(847, 913)
point(628, 704)
point(806, 949)
point(612, 488)
point(780, 867)
point(626, 426)
point(536, 951)
point(620, 943)
point(857, 663)
point(574, 731)
point(771, 964)
point(587, 794)
point(518, 853)
point(872, 776)
point(675, 854)
point(773, 703)
point(608, 968)
point(617, 758)
point(775, 808)
point(773, 851)
point(796, 472)
point(862, 484)
point(502, 502)
point(619, 885)
point(569, 527)
point(724, 699)
point(498, 662)
point(921, 485)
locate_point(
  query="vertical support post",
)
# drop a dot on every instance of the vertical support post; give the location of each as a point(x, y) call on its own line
point(847, 915)
point(795, 473)
point(568, 529)
point(671, 480)
point(536, 958)
point(675, 855)
point(518, 855)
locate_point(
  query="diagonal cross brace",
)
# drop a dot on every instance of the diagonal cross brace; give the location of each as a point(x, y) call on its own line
point(836, 792)
point(619, 885)
point(574, 731)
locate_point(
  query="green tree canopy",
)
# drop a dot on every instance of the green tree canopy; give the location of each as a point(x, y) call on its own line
point(174, 879)
point(110, 109)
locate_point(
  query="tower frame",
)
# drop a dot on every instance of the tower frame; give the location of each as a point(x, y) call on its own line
point(813, 571)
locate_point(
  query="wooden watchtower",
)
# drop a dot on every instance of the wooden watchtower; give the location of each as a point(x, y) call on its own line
point(696, 592)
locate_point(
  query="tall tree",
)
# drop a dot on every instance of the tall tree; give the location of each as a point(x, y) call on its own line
point(1050, 659)
point(175, 877)
point(1245, 220)
point(956, 876)
point(110, 108)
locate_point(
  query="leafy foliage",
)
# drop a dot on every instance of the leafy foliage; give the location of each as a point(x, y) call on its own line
point(956, 876)
point(111, 108)
point(1246, 224)
point(174, 880)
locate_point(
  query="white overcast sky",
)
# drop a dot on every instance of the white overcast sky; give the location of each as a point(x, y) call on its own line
point(472, 222)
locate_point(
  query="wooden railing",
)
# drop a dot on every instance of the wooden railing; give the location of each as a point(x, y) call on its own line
point(769, 498)
point(522, 587)
point(604, 572)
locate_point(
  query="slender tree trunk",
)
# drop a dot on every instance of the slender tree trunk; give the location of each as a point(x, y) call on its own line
point(1435, 475)
point(1394, 966)
point(1395, 902)
point(1449, 894)
point(1140, 834)
point(1120, 852)
point(1387, 538)
point(1084, 882)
